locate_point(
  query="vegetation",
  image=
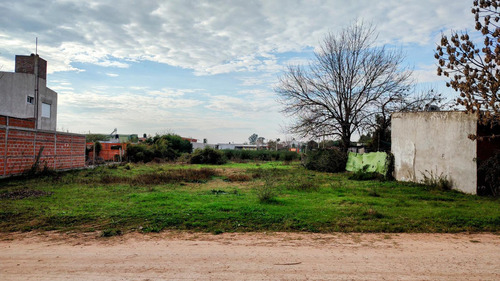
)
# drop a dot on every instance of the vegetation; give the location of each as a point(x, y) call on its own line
point(436, 181)
point(326, 160)
point(166, 147)
point(208, 155)
point(262, 155)
point(474, 70)
point(96, 137)
point(489, 170)
point(269, 196)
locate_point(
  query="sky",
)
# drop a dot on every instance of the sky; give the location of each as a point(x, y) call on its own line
point(202, 69)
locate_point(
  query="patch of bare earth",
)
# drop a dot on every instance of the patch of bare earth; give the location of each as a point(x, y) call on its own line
point(249, 256)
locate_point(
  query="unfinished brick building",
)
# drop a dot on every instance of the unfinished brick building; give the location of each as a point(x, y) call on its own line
point(28, 112)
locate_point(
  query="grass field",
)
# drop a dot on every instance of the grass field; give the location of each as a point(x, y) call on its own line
point(269, 196)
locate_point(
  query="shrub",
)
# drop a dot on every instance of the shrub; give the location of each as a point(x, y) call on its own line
point(159, 148)
point(208, 155)
point(289, 156)
point(326, 160)
point(266, 193)
point(260, 155)
point(489, 174)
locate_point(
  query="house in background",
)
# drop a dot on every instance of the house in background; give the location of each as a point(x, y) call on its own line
point(437, 144)
point(236, 146)
point(24, 93)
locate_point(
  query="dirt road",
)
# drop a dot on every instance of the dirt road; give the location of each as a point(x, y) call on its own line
point(261, 256)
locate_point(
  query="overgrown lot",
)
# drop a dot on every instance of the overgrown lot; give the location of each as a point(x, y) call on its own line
point(269, 196)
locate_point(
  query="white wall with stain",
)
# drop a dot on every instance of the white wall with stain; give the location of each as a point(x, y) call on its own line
point(437, 143)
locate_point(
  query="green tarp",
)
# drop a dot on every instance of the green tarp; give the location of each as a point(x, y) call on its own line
point(369, 162)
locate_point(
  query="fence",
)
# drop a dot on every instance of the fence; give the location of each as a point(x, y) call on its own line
point(20, 144)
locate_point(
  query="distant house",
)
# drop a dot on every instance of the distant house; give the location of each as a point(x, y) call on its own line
point(24, 93)
point(437, 144)
point(123, 138)
point(109, 151)
point(236, 146)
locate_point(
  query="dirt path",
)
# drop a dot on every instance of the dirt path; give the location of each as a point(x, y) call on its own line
point(276, 256)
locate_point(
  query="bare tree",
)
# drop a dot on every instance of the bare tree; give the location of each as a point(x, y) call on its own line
point(474, 71)
point(340, 90)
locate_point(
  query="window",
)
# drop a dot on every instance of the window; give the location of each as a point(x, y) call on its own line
point(46, 110)
point(30, 100)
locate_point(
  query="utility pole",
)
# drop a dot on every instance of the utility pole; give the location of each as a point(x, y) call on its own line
point(37, 98)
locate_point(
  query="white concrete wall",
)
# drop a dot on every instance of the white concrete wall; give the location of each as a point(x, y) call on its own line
point(200, 145)
point(437, 142)
point(14, 90)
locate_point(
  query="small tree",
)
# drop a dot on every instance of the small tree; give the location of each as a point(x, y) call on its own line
point(474, 71)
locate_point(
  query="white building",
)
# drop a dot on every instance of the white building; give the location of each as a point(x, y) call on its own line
point(24, 93)
point(438, 143)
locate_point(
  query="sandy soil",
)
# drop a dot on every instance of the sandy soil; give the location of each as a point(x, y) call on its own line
point(261, 256)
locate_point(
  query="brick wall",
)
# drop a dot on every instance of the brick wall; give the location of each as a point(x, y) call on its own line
point(20, 144)
point(109, 151)
point(26, 64)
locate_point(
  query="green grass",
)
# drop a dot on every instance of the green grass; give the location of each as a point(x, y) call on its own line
point(218, 199)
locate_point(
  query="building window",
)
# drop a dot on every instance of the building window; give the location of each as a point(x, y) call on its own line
point(30, 100)
point(46, 110)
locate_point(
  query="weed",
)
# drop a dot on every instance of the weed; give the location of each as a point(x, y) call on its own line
point(164, 177)
point(217, 231)
point(222, 192)
point(24, 193)
point(372, 214)
point(303, 183)
point(267, 192)
point(238, 177)
point(373, 193)
point(111, 232)
point(365, 176)
point(113, 167)
point(338, 184)
point(432, 180)
point(152, 228)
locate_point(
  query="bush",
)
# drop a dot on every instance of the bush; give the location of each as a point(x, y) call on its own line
point(489, 174)
point(266, 193)
point(260, 155)
point(208, 155)
point(139, 153)
point(326, 160)
point(147, 153)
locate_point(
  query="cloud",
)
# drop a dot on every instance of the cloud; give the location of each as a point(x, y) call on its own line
point(427, 73)
point(209, 37)
point(112, 74)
